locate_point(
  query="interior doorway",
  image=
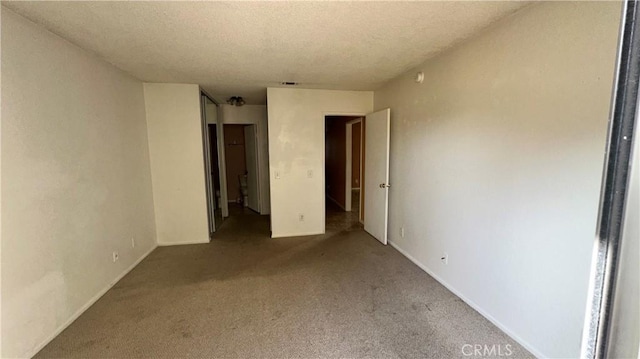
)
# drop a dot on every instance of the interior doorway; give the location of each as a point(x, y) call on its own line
point(242, 170)
point(344, 163)
point(236, 156)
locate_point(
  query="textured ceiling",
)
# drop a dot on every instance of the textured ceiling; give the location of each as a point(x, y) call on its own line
point(240, 48)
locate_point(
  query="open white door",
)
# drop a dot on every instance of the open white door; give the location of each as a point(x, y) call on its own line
point(251, 156)
point(376, 186)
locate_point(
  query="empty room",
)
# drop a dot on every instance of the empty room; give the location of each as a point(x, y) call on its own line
point(315, 179)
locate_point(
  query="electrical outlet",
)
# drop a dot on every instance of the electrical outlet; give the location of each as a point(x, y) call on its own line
point(133, 242)
point(115, 256)
point(301, 217)
point(445, 258)
point(310, 174)
point(401, 232)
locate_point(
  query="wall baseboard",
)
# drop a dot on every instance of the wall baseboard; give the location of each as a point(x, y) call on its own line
point(469, 302)
point(91, 302)
point(166, 244)
point(296, 234)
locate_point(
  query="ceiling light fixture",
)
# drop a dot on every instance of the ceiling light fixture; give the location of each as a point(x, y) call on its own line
point(235, 101)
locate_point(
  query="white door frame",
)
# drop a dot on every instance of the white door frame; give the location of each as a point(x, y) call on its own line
point(349, 162)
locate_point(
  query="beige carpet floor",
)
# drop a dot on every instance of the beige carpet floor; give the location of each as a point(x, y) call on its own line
point(245, 295)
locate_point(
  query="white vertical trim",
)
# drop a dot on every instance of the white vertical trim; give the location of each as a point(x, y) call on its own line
point(349, 162)
point(258, 166)
point(253, 130)
point(222, 165)
point(348, 170)
point(360, 211)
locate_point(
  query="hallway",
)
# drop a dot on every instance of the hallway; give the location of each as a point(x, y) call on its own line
point(246, 295)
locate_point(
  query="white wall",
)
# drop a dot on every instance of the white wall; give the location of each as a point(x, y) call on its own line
point(296, 146)
point(496, 159)
point(257, 115)
point(177, 163)
point(76, 182)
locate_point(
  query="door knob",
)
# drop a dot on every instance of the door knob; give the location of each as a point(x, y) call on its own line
point(384, 185)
